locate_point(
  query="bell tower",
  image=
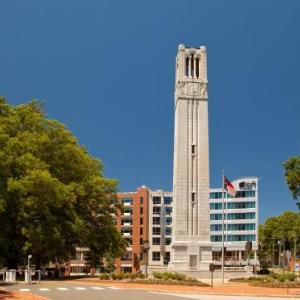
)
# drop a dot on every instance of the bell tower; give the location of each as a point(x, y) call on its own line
point(191, 247)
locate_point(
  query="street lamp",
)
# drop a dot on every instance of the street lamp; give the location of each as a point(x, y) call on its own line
point(273, 252)
point(146, 246)
point(279, 253)
point(28, 269)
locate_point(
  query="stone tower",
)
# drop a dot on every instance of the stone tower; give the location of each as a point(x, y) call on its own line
point(191, 248)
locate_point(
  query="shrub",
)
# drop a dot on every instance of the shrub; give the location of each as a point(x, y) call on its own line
point(284, 277)
point(104, 276)
point(136, 275)
point(118, 276)
point(169, 276)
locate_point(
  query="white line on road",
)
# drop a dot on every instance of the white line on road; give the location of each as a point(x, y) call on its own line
point(24, 290)
point(62, 289)
point(44, 289)
point(80, 288)
point(97, 288)
point(113, 288)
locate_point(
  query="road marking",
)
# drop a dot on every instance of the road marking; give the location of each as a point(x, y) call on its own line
point(24, 290)
point(62, 289)
point(97, 288)
point(44, 289)
point(113, 288)
point(80, 288)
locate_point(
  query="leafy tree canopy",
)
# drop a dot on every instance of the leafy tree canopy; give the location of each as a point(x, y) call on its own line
point(292, 175)
point(53, 194)
point(279, 232)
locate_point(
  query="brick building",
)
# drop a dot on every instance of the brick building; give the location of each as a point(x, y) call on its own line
point(133, 223)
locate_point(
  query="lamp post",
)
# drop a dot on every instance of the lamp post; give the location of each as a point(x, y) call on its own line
point(146, 246)
point(28, 269)
point(279, 253)
point(273, 252)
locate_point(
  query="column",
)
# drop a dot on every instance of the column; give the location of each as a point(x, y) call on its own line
point(240, 256)
point(190, 66)
point(195, 66)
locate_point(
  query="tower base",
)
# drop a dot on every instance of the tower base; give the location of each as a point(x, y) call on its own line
point(190, 256)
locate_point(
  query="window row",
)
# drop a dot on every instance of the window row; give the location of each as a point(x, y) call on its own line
point(157, 200)
point(157, 210)
point(239, 194)
point(233, 227)
point(234, 238)
point(157, 241)
point(233, 216)
point(232, 205)
point(127, 201)
point(157, 220)
point(156, 256)
point(157, 231)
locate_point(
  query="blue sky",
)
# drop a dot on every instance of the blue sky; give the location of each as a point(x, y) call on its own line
point(106, 70)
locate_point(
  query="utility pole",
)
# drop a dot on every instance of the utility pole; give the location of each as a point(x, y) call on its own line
point(295, 253)
point(28, 269)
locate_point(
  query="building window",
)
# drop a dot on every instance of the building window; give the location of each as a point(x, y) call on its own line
point(216, 227)
point(156, 220)
point(215, 206)
point(141, 231)
point(167, 200)
point(156, 241)
point(168, 220)
point(126, 232)
point(141, 242)
point(156, 200)
point(241, 238)
point(156, 256)
point(141, 221)
point(166, 258)
point(127, 201)
point(238, 227)
point(127, 256)
point(156, 210)
point(141, 210)
point(127, 222)
point(216, 238)
point(168, 230)
point(193, 196)
point(240, 216)
point(168, 241)
point(216, 216)
point(193, 149)
point(239, 205)
point(155, 230)
point(126, 269)
point(141, 200)
point(168, 210)
point(127, 211)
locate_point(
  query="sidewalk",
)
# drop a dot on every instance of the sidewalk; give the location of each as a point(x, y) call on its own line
point(239, 289)
point(13, 295)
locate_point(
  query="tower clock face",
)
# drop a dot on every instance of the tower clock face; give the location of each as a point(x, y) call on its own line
point(193, 89)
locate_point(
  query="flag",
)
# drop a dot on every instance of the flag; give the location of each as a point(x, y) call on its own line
point(228, 186)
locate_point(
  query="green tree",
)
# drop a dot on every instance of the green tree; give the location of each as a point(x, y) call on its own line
point(53, 194)
point(292, 175)
point(278, 233)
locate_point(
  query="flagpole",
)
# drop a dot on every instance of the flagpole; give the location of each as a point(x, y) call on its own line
point(223, 260)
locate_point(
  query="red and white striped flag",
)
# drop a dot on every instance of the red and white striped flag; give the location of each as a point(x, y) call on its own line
point(228, 186)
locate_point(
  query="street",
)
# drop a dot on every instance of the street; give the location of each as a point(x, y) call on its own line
point(62, 290)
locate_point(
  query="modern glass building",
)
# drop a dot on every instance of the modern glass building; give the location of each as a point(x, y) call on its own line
point(240, 222)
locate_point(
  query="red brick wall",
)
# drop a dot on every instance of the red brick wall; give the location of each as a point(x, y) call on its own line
point(137, 248)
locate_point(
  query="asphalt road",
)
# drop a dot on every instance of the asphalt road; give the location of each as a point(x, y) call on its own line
point(63, 291)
